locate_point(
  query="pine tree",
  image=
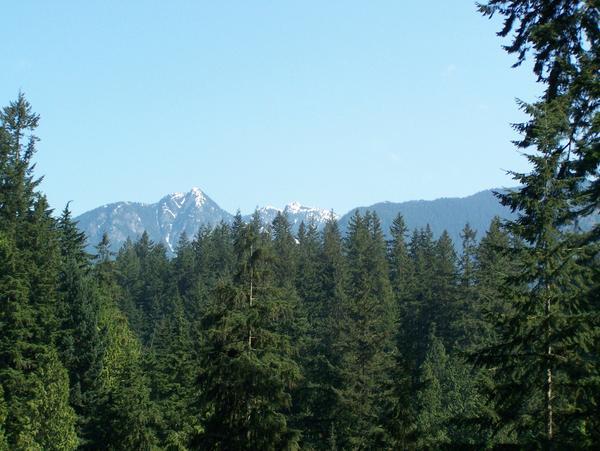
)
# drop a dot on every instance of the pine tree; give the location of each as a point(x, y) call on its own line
point(402, 410)
point(306, 414)
point(34, 381)
point(432, 416)
point(125, 415)
point(467, 259)
point(366, 338)
point(143, 270)
point(493, 267)
point(80, 341)
point(17, 147)
point(541, 339)
point(247, 364)
point(172, 369)
point(419, 313)
point(401, 268)
point(284, 248)
point(323, 371)
point(445, 290)
point(308, 274)
point(548, 342)
point(184, 265)
point(447, 401)
point(465, 324)
point(3, 415)
point(126, 269)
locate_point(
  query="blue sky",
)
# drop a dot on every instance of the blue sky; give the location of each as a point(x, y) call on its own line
point(334, 104)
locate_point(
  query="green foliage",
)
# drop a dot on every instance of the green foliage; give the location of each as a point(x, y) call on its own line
point(365, 338)
point(447, 400)
point(545, 357)
point(125, 412)
point(401, 410)
point(172, 366)
point(36, 386)
point(46, 421)
point(247, 361)
point(3, 415)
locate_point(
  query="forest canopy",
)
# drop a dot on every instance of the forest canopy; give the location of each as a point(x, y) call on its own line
point(255, 337)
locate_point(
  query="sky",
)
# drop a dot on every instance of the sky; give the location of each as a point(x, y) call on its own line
point(334, 104)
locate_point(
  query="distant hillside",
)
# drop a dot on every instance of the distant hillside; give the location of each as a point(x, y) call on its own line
point(449, 214)
point(176, 213)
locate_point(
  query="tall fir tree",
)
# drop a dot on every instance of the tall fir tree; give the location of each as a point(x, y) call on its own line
point(284, 249)
point(445, 287)
point(248, 365)
point(366, 338)
point(80, 340)
point(402, 410)
point(172, 368)
point(465, 323)
point(325, 374)
point(35, 383)
point(124, 416)
point(547, 351)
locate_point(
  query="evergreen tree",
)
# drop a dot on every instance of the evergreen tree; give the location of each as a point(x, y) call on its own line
point(143, 270)
point(420, 313)
point(247, 364)
point(314, 405)
point(323, 401)
point(465, 322)
point(494, 265)
point(184, 266)
point(126, 416)
point(444, 284)
point(173, 370)
point(366, 339)
point(214, 263)
point(3, 415)
point(402, 411)
point(539, 351)
point(284, 247)
point(126, 269)
point(467, 259)
point(308, 273)
point(123, 416)
point(34, 381)
point(17, 147)
point(401, 268)
point(548, 342)
point(447, 400)
point(80, 341)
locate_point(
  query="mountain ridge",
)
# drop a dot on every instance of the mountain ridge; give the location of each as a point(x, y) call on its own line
point(175, 213)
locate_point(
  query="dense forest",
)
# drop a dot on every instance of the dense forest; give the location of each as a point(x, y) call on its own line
point(253, 337)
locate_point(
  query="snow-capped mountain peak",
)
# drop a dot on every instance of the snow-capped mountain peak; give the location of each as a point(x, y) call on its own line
point(295, 207)
point(198, 196)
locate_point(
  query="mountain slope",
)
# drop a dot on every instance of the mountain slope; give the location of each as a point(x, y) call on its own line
point(449, 214)
point(176, 213)
point(164, 220)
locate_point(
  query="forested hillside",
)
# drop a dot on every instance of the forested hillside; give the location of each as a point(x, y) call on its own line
point(254, 336)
